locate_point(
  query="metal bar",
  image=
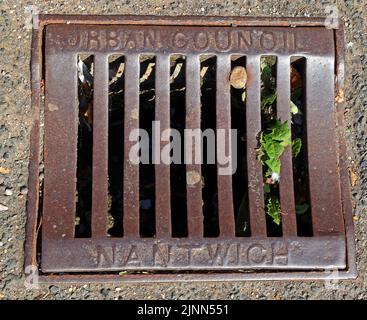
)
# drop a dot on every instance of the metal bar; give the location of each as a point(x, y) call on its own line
point(325, 192)
point(100, 147)
point(223, 122)
point(60, 145)
point(131, 170)
point(162, 170)
point(286, 187)
point(254, 167)
point(193, 171)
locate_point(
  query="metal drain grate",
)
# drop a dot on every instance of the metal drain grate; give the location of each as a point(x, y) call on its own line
point(194, 255)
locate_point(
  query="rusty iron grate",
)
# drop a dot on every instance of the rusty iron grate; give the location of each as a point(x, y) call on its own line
point(200, 242)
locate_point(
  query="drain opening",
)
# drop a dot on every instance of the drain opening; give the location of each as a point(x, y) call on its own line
point(85, 66)
point(146, 116)
point(208, 126)
point(116, 68)
point(146, 168)
point(239, 178)
point(269, 122)
point(178, 168)
point(300, 163)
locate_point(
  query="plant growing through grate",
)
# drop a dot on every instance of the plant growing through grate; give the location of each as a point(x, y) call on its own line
point(280, 209)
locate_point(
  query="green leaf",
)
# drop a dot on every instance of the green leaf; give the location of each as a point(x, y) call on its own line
point(296, 94)
point(302, 208)
point(273, 209)
point(266, 188)
point(296, 147)
point(268, 100)
point(281, 132)
point(268, 61)
point(274, 165)
point(273, 141)
point(271, 147)
point(294, 108)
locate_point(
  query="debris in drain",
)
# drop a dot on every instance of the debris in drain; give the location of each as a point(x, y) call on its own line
point(274, 138)
point(238, 77)
point(85, 67)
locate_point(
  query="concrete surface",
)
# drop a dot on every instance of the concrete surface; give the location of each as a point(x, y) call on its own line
point(14, 146)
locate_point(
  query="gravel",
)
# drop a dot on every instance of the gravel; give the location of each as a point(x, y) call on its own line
point(15, 120)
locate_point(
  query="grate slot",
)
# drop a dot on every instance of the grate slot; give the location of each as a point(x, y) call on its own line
point(147, 146)
point(300, 165)
point(239, 178)
point(324, 193)
point(208, 69)
point(223, 115)
point(131, 170)
point(100, 147)
point(177, 168)
point(85, 146)
point(193, 170)
point(286, 191)
point(254, 167)
point(162, 170)
point(115, 140)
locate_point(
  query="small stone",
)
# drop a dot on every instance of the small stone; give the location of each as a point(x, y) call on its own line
point(12, 263)
point(3, 207)
point(192, 177)
point(105, 292)
point(8, 192)
point(23, 190)
point(238, 78)
point(54, 289)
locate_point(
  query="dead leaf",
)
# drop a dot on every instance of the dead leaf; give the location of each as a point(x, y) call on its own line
point(238, 78)
point(296, 80)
